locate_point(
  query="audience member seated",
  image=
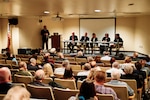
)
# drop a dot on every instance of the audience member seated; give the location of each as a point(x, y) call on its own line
point(100, 78)
point(48, 70)
point(115, 66)
point(86, 70)
point(89, 59)
point(139, 70)
point(23, 69)
point(128, 62)
point(5, 80)
point(41, 52)
point(80, 54)
point(17, 93)
point(68, 74)
point(12, 57)
point(147, 60)
point(115, 76)
point(135, 56)
point(39, 62)
point(92, 74)
point(33, 65)
point(53, 52)
point(112, 60)
point(39, 76)
point(129, 75)
point(98, 59)
point(47, 59)
point(61, 70)
point(87, 91)
point(145, 67)
point(106, 56)
point(94, 65)
point(60, 56)
point(142, 74)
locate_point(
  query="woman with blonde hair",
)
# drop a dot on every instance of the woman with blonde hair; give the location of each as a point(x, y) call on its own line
point(17, 93)
point(48, 70)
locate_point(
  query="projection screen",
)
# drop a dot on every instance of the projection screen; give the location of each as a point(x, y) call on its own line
point(98, 26)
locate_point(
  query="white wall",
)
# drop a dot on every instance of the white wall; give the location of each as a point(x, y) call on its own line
point(126, 28)
point(142, 37)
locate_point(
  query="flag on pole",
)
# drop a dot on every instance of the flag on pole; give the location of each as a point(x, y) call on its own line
point(8, 36)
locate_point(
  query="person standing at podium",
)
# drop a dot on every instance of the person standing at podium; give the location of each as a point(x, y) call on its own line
point(72, 43)
point(45, 36)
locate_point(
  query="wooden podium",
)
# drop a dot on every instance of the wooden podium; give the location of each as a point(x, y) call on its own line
point(55, 40)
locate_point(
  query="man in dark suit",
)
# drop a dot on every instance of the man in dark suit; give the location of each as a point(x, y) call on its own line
point(104, 46)
point(5, 80)
point(84, 39)
point(45, 35)
point(118, 43)
point(71, 45)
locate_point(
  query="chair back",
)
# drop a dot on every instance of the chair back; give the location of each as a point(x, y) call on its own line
point(81, 61)
point(66, 83)
point(2, 61)
point(6, 65)
point(11, 62)
point(23, 79)
point(47, 80)
point(64, 94)
point(2, 96)
point(132, 83)
point(40, 92)
point(105, 96)
point(75, 67)
point(19, 84)
point(121, 91)
point(79, 84)
point(56, 65)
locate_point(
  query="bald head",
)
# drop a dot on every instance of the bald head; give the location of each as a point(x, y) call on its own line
point(39, 74)
point(5, 75)
point(115, 65)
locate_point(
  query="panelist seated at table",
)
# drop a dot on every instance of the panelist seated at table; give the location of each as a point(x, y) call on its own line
point(104, 46)
point(84, 39)
point(94, 39)
point(118, 43)
point(72, 43)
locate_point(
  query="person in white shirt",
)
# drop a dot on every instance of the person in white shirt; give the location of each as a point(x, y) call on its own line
point(86, 70)
point(106, 56)
point(61, 70)
point(127, 63)
point(115, 66)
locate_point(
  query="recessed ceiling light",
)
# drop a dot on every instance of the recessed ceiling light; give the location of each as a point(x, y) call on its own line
point(97, 10)
point(130, 4)
point(46, 12)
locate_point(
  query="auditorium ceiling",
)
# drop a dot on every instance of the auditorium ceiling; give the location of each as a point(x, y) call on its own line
point(74, 8)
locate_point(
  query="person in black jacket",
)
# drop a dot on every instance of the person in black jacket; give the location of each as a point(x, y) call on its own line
point(118, 42)
point(104, 46)
point(45, 35)
point(5, 80)
point(71, 45)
